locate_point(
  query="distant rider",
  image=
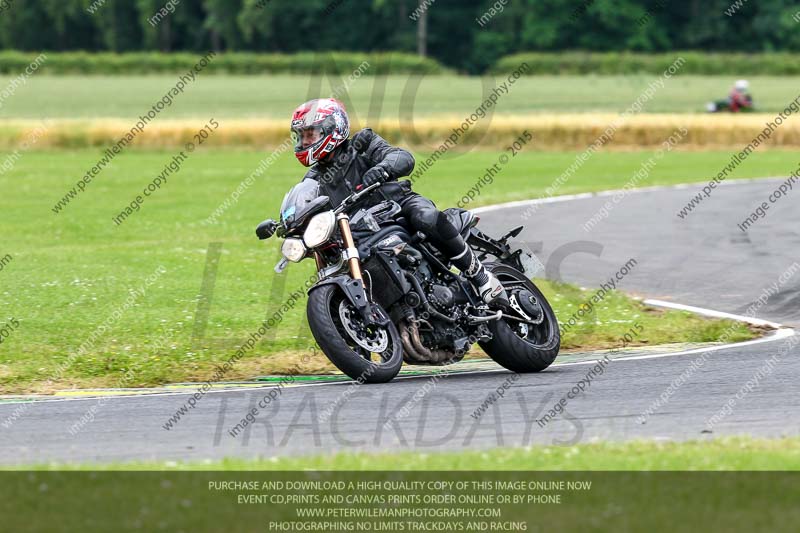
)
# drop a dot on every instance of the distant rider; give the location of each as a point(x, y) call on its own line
point(738, 100)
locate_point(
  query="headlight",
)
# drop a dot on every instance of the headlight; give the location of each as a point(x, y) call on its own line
point(319, 229)
point(293, 250)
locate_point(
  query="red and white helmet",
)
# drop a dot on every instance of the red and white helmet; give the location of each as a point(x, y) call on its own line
point(329, 118)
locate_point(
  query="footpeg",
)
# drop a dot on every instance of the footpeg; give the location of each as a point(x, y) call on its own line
point(478, 319)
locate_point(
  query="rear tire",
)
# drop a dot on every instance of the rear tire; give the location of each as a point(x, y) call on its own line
point(540, 345)
point(343, 350)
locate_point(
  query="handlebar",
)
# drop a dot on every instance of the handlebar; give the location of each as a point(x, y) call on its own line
point(266, 229)
point(355, 197)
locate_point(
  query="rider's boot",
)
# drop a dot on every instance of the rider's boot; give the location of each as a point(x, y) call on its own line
point(486, 284)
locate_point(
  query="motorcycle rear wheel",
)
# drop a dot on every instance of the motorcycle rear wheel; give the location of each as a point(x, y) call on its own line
point(519, 347)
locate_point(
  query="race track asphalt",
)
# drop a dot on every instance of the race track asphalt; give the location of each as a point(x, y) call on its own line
point(702, 260)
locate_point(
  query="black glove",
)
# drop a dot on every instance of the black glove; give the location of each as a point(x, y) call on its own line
point(374, 175)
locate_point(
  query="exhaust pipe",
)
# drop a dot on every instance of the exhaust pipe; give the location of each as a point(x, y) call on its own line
point(410, 355)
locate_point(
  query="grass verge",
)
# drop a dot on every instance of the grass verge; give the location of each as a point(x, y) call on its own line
point(731, 453)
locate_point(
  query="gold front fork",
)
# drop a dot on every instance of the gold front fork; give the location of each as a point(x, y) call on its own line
point(350, 248)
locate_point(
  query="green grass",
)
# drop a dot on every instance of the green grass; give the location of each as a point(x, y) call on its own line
point(733, 453)
point(71, 271)
point(276, 96)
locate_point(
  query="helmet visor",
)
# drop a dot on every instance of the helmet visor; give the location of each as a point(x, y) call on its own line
point(305, 137)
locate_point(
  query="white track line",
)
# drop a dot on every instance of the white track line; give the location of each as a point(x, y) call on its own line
point(585, 195)
point(711, 312)
point(779, 334)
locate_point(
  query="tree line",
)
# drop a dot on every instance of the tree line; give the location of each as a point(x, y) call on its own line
point(467, 35)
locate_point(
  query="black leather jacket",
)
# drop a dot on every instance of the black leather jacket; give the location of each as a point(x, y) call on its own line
point(339, 176)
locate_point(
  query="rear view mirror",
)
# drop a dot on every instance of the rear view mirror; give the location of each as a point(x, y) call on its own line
point(266, 229)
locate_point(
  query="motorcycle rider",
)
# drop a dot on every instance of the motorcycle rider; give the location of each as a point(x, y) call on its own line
point(321, 131)
point(740, 98)
point(737, 101)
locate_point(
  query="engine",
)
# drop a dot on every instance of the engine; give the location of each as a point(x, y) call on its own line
point(428, 307)
point(442, 297)
point(431, 330)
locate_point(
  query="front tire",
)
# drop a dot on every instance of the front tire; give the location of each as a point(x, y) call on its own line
point(348, 344)
point(522, 349)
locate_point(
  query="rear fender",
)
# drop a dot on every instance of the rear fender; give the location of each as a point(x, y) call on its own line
point(515, 257)
point(483, 243)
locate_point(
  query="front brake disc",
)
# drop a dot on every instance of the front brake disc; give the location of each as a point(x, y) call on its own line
point(375, 341)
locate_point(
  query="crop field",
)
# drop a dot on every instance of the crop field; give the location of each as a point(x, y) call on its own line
point(562, 112)
point(551, 132)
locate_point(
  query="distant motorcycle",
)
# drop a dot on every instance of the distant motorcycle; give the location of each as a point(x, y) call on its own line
point(385, 295)
point(725, 106)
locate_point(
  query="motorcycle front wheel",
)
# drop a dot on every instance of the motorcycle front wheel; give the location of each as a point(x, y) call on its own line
point(515, 345)
point(368, 354)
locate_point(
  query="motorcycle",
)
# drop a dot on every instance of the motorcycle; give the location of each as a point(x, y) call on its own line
point(725, 106)
point(385, 295)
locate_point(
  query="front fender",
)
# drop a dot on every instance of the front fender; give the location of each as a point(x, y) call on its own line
point(353, 290)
